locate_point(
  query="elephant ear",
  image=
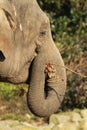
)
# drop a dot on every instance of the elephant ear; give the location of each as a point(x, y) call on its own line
point(7, 26)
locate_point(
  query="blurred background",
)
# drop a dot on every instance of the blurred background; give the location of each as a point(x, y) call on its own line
point(68, 19)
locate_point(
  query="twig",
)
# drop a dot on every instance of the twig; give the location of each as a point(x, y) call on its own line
point(82, 75)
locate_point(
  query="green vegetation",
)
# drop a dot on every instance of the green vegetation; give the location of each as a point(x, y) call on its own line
point(11, 91)
point(13, 116)
point(69, 25)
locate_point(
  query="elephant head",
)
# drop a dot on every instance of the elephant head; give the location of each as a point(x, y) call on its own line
point(28, 54)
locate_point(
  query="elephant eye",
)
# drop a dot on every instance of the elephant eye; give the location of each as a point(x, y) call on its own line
point(42, 33)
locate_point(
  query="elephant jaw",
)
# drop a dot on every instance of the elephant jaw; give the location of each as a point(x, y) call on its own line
point(14, 74)
point(15, 68)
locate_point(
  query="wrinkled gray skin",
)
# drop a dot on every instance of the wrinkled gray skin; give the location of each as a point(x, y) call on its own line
point(28, 54)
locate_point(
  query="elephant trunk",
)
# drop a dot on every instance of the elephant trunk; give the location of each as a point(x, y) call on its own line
point(47, 83)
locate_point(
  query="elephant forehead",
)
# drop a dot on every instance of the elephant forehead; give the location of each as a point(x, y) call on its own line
point(29, 18)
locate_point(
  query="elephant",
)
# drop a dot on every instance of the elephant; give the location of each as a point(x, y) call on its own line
point(28, 55)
